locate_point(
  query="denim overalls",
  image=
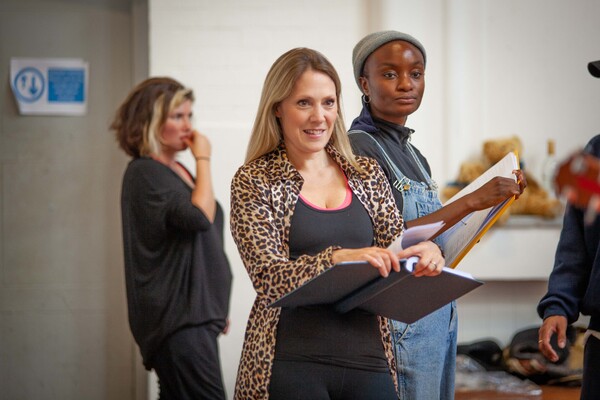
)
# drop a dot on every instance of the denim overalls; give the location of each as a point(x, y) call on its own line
point(425, 350)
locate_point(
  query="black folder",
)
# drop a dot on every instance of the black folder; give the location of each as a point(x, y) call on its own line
point(400, 296)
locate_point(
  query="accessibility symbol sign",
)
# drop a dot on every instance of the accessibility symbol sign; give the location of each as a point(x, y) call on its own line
point(50, 86)
point(29, 84)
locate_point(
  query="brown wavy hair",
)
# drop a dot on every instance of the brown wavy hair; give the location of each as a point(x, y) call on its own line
point(139, 120)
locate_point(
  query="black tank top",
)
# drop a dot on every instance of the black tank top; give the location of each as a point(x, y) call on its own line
point(319, 334)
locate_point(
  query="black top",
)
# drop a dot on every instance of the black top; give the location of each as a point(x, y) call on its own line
point(176, 271)
point(319, 334)
point(393, 138)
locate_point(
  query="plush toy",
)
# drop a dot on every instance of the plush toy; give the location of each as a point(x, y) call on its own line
point(495, 149)
point(535, 200)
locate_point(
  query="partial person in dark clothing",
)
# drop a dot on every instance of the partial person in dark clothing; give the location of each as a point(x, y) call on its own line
point(574, 288)
point(177, 274)
point(389, 68)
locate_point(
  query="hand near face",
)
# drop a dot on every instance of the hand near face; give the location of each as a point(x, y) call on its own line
point(198, 144)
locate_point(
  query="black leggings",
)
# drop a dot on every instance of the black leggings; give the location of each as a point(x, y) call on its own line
point(188, 367)
point(294, 380)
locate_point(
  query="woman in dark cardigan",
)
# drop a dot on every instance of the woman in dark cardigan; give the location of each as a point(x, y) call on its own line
point(177, 275)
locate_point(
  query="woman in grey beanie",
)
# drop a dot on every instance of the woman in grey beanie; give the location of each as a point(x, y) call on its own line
point(389, 68)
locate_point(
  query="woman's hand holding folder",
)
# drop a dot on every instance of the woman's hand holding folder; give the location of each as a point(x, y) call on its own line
point(430, 257)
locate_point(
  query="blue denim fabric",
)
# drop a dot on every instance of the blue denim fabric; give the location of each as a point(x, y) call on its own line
point(425, 351)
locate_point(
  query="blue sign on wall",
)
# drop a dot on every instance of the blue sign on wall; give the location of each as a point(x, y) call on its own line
point(50, 86)
point(66, 85)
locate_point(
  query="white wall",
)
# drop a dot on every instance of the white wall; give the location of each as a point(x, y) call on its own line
point(520, 67)
point(494, 69)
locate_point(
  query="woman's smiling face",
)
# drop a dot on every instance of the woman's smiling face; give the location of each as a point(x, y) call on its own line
point(307, 116)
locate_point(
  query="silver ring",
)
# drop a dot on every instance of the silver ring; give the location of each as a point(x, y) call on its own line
point(433, 264)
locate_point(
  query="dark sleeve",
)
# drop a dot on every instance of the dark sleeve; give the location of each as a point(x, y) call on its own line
point(568, 280)
point(162, 197)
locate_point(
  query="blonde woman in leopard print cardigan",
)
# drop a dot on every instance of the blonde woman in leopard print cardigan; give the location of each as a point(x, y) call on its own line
point(300, 204)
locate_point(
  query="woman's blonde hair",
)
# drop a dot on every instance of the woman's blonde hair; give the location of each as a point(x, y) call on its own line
point(279, 84)
point(139, 120)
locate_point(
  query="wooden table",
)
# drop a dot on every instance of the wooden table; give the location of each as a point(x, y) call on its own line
point(548, 393)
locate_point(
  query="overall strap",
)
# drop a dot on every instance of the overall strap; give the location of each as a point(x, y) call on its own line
point(402, 182)
point(430, 182)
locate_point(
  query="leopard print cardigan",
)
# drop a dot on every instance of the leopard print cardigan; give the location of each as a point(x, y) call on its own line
point(264, 193)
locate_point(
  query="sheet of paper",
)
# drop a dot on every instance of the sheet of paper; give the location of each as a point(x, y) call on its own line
point(415, 235)
point(462, 234)
point(504, 168)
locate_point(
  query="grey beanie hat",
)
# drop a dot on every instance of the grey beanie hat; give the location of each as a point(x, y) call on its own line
point(372, 42)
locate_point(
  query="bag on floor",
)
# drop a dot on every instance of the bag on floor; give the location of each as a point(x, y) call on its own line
point(523, 358)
